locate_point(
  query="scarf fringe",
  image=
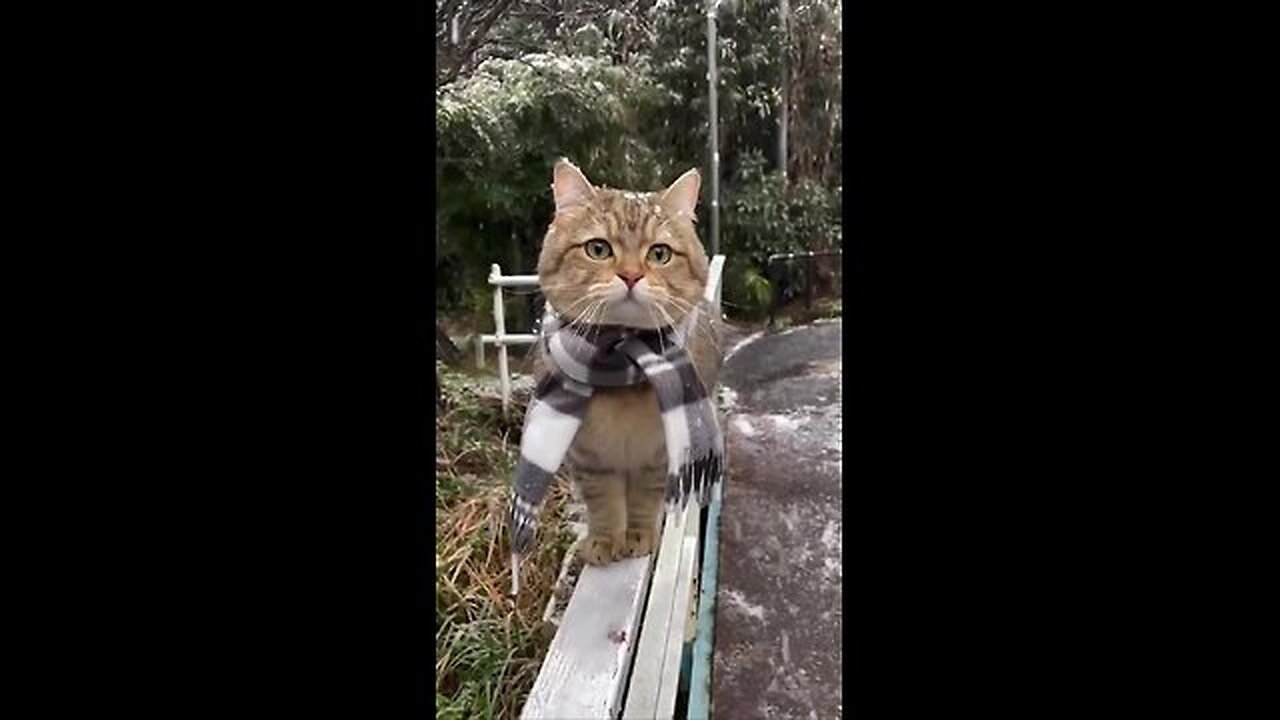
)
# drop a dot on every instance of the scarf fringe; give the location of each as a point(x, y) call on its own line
point(515, 574)
point(695, 479)
point(524, 526)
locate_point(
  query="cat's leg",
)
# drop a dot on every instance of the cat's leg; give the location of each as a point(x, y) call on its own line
point(604, 492)
point(646, 490)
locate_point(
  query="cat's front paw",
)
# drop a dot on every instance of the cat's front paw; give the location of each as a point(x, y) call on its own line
point(598, 551)
point(640, 542)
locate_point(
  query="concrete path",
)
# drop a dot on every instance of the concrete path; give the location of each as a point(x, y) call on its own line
point(778, 621)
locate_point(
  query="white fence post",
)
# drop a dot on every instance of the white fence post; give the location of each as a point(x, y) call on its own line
point(500, 336)
point(500, 323)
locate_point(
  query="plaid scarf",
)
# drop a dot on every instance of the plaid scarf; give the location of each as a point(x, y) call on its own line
point(583, 358)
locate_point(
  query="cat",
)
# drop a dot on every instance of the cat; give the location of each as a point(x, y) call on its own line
point(617, 257)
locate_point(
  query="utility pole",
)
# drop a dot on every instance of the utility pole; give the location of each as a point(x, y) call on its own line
point(784, 13)
point(712, 79)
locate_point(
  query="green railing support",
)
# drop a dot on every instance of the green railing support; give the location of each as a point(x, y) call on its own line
point(704, 645)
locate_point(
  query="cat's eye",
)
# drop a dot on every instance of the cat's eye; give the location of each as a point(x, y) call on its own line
point(660, 254)
point(598, 249)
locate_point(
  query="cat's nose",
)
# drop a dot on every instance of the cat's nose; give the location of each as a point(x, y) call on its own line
point(631, 278)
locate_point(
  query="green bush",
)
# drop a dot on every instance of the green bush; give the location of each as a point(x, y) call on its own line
point(623, 94)
point(500, 131)
point(762, 217)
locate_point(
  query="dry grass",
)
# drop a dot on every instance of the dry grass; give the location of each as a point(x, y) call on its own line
point(488, 647)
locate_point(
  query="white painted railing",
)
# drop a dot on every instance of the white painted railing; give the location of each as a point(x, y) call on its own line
point(500, 336)
point(503, 340)
point(715, 281)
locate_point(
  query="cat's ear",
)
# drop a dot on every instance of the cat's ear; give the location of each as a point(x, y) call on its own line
point(682, 197)
point(570, 186)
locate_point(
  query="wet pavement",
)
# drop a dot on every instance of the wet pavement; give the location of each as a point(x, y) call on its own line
point(778, 619)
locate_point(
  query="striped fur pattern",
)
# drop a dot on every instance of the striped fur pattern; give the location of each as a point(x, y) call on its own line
point(582, 358)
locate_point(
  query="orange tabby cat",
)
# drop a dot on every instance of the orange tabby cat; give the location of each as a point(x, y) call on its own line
point(633, 259)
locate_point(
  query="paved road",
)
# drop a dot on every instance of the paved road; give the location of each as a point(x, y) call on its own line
point(778, 621)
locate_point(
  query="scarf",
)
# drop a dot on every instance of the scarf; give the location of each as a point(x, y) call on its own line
point(582, 358)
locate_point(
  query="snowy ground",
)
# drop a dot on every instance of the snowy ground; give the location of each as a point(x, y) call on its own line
point(778, 620)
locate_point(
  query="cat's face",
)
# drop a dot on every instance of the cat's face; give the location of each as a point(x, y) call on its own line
point(622, 258)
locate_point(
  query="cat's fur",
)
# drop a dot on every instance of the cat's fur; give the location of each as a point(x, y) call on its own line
point(618, 458)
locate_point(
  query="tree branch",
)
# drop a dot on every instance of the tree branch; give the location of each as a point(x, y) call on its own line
point(476, 35)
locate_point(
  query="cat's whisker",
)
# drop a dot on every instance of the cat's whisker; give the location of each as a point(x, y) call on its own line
point(579, 301)
point(583, 321)
point(597, 311)
point(687, 307)
point(662, 335)
point(703, 322)
point(587, 316)
point(523, 292)
point(595, 326)
point(659, 297)
point(649, 308)
point(670, 321)
point(589, 300)
point(706, 331)
point(588, 296)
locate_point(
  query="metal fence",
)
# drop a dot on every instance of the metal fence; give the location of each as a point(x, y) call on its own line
point(795, 275)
